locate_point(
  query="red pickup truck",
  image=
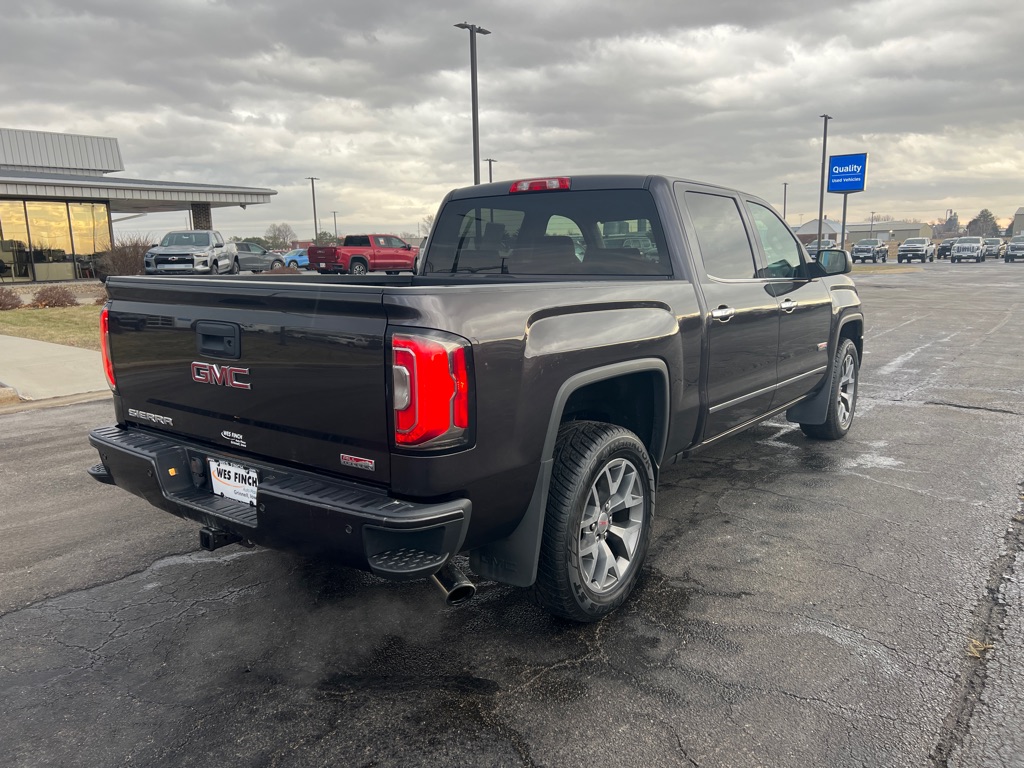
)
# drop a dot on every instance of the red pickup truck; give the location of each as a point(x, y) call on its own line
point(359, 254)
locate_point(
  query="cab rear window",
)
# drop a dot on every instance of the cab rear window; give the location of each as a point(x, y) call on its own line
point(604, 232)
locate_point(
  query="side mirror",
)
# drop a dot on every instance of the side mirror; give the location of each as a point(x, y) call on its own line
point(154, 245)
point(406, 247)
point(218, 245)
point(835, 262)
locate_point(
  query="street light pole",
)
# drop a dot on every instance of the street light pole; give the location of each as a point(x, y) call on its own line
point(335, 224)
point(490, 168)
point(785, 185)
point(871, 234)
point(474, 30)
point(824, 162)
point(312, 186)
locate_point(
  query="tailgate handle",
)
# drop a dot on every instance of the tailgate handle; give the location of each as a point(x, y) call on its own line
point(221, 340)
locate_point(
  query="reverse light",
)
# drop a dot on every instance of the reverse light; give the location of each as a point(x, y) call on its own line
point(108, 364)
point(430, 390)
point(541, 185)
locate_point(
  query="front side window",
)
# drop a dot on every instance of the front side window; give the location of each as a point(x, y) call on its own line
point(781, 249)
point(724, 246)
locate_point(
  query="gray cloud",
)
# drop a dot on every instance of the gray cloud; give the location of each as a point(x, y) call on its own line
point(373, 98)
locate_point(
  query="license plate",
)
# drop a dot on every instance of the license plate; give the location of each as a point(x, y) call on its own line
point(323, 264)
point(233, 481)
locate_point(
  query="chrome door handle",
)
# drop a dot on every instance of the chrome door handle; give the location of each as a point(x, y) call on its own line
point(788, 305)
point(723, 313)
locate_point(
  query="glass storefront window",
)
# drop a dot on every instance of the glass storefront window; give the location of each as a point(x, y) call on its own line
point(50, 240)
point(90, 234)
point(14, 241)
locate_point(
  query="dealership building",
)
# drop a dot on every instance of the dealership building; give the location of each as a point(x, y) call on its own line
point(58, 202)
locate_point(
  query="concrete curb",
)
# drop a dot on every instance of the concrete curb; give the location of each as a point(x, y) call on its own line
point(51, 402)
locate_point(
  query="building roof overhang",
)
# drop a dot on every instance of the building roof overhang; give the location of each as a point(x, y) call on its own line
point(127, 195)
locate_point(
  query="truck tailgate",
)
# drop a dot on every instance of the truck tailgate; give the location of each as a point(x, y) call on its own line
point(277, 370)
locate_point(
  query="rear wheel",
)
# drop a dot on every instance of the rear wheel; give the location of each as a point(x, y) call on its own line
point(598, 522)
point(234, 268)
point(357, 268)
point(845, 369)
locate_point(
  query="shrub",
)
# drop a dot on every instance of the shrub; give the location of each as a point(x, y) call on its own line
point(283, 271)
point(125, 257)
point(9, 299)
point(54, 296)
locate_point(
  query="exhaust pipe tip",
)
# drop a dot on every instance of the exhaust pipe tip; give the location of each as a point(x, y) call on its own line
point(455, 585)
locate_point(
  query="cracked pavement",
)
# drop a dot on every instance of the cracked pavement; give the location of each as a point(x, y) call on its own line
point(804, 603)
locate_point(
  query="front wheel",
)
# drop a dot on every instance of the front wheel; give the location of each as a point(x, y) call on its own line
point(598, 522)
point(845, 368)
point(276, 264)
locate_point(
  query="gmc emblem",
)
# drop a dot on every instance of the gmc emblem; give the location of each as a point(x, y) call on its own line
point(225, 375)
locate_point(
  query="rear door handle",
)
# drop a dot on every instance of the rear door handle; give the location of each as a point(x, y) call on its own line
point(788, 305)
point(723, 313)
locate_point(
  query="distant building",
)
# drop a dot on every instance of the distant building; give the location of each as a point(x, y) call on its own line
point(1018, 222)
point(56, 202)
point(897, 231)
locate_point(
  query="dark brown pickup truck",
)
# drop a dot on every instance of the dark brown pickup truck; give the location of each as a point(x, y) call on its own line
point(514, 399)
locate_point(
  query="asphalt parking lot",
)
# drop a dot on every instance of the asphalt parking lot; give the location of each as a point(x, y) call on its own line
point(805, 603)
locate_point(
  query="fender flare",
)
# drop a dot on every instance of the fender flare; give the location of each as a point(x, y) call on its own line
point(513, 560)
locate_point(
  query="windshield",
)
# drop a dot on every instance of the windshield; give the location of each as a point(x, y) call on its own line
point(993, 241)
point(185, 239)
point(915, 241)
point(969, 241)
point(1018, 239)
point(867, 242)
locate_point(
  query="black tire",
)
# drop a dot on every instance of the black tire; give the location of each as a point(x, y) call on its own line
point(234, 268)
point(587, 570)
point(843, 398)
point(391, 271)
point(885, 259)
point(293, 264)
point(899, 259)
point(276, 264)
point(357, 268)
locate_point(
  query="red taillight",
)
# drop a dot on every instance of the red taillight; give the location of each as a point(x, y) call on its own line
point(108, 364)
point(430, 390)
point(541, 185)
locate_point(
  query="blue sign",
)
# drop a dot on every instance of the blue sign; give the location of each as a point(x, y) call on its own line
point(847, 173)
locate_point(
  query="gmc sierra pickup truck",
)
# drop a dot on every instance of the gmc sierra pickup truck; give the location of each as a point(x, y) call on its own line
point(359, 254)
point(513, 400)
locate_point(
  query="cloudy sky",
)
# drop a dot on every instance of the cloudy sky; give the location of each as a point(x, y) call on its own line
point(374, 98)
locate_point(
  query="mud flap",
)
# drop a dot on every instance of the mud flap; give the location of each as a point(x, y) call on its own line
point(815, 409)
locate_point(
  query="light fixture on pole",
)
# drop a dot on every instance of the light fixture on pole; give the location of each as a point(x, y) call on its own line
point(474, 30)
point(490, 168)
point(824, 162)
point(312, 186)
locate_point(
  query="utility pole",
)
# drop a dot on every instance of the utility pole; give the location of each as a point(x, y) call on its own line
point(824, 162)
point(785, 184)
point(490, 168)
point(316, 222)
point(872, 225)
point(335, 225)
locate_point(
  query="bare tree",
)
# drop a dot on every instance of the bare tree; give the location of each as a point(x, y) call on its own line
point(280, 235)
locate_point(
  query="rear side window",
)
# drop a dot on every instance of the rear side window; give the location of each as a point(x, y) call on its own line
point(600, 232)
point(724, 246)
point(357, 241)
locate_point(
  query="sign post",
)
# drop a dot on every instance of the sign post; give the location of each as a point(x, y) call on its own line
point(847, 174)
